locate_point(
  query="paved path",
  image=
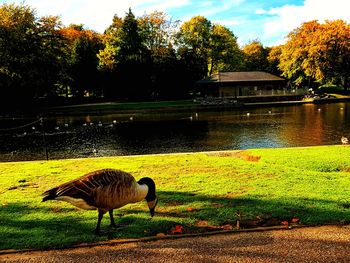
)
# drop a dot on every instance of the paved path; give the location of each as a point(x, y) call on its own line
point(313, 244)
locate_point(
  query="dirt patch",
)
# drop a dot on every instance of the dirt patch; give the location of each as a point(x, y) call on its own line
point(243, 155)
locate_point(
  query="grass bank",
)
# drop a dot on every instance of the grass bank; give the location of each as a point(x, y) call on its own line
point(161, 106)
point(123, 107)
point(199, 191)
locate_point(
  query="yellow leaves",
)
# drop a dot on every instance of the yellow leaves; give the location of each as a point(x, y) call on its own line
point(317, 50)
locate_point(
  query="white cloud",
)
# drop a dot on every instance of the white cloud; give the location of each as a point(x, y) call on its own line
point(159, 5)
point(97, 15)
point(212, 8)
point(284, 19)
point(261, 12)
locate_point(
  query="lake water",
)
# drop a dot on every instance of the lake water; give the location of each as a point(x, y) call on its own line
point(148, 133)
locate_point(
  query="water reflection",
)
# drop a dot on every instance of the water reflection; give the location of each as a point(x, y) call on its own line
point(141, 133)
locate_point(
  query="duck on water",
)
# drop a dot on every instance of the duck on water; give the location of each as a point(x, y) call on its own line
point(105, 190)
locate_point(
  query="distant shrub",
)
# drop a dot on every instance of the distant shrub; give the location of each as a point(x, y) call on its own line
point(329, 88)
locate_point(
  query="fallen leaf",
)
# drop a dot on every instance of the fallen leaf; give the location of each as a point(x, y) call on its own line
point(295, 220)
point(285, 223)
point(227, 227)
point(190, 209)
point(160, 235)
point(202, 223)
point(178, 229)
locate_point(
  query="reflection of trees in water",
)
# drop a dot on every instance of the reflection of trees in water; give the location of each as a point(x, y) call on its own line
point(318, 124)
point(73, 137)
point(160, 137)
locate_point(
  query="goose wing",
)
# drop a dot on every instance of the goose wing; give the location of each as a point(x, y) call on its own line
point(88, 186)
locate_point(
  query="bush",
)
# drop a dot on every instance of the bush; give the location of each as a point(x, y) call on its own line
point(329, 88)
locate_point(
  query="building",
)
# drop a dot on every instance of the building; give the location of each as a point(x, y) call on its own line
point(243, 84)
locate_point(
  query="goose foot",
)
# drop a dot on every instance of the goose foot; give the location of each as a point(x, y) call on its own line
point(119, 225)
point(99, 232)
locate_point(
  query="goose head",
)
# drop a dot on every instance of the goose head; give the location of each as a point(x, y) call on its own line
point(151, 197)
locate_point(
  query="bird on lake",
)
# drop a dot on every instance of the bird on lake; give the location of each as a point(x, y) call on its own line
point(105, 190)
point(344, 140)
point(94, 151)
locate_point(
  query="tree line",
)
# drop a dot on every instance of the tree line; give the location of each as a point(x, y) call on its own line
point(152, 57)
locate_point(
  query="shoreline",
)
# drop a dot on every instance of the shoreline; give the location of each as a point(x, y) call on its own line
point(113, 107)
point(211, 153)
point(159, 106)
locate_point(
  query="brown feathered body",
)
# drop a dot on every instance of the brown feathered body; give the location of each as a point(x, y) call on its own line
point(104, 190)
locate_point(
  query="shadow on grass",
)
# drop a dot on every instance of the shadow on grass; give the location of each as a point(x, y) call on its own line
point(23, 226)
point(310, 211)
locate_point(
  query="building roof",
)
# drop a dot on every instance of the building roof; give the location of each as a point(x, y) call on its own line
point(240, 77)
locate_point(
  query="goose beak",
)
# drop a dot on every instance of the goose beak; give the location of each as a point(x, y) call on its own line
point(152, 205)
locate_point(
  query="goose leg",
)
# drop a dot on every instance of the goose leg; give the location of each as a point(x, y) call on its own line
point(113, 224)
point(100, 216)
point(112, 218)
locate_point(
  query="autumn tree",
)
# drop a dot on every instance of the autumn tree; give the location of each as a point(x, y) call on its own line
point(318, 52)
point(274, 55)
point(111, 42)
point(255, 56)
point(19, 43)
point(51, 58)
point(31, 52)
point(330, 53)
point(157, 31)
point(193, 40)
point(85, 77)
point(158, 34)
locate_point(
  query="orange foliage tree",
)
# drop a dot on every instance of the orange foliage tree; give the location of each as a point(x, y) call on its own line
point(318, 52)
point(255, 56)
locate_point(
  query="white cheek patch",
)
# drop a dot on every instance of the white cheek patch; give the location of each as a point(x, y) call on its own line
point(152, 204)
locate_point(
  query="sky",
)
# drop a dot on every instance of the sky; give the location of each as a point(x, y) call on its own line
point(266, 20)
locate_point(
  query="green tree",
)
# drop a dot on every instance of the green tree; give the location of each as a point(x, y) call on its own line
point(110, 39)
point(213, 46)
point(274, 56)
point(255, 56)
point(131, 44)
point(19, 43)
point(126, 60)
point(224, 53)
point(195, 35)
point(84, 64)
point(194, 42)
point(158, 32)
point(52, 58)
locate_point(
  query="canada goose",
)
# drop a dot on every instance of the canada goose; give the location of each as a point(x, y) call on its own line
point(105, 190)
point(344, 140)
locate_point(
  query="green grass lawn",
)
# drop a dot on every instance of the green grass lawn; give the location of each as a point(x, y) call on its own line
point(200, 191)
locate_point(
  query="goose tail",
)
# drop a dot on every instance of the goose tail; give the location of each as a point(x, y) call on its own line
point(50, 194)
